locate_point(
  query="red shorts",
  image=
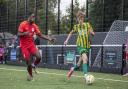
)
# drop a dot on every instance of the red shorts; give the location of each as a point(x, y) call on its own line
point(28, 51)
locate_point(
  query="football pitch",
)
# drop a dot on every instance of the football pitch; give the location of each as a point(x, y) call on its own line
point(14, 77)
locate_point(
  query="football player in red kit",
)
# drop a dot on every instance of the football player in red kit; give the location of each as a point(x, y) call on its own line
point(25, 32)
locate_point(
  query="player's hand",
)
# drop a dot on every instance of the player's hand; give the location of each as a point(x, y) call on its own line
point(65, 43)
point(52, 40)
point(26, 33)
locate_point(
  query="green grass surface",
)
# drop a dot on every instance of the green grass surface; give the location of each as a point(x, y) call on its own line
point(14, 77)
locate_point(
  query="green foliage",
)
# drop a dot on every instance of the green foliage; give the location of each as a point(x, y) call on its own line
point(96, 14)
point(66, 20)
point(52, 17)
point(20, 11)
point(2, 2)
point(102, 13)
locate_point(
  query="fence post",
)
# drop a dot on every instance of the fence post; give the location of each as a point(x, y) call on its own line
point(87, 8)
point(25, 5)
point(35, 10)
point(46, 17)
point(122, 10)
point(102, 50)
point(123, 57)
point(17, 14)
point(8, 16)
point(72, 14)
point(58, 16)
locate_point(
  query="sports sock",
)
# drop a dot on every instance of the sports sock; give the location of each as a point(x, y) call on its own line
point(29, 69)
point(76, 67)
point(37, 61)
point(85, 68)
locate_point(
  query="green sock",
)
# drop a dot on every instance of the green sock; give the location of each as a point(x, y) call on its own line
point(76, 67)
point(85, 68)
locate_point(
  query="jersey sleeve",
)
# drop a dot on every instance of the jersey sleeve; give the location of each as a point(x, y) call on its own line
point(37, 31)
point(89, 26)
point(21, 27)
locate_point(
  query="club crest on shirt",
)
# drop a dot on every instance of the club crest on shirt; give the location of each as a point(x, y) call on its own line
point(33, 30)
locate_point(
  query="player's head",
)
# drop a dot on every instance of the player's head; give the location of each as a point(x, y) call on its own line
point(31, 18)
point(80, 16)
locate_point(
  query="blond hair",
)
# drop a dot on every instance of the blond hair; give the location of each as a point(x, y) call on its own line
point(80, 14)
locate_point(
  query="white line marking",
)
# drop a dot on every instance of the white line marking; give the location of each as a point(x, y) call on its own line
point(65, 75)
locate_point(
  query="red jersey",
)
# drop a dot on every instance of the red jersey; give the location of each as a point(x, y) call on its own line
point(27, 41)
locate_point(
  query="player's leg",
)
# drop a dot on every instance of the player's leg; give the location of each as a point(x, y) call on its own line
point(80, 50)
point(37, 61)
point(76, 67)
point(83, 52)
point(37, 55)
point(126, 64)
point(29, 69)
point(0, 59)
point(85, 66)
point(126, 68)
point(26, 56)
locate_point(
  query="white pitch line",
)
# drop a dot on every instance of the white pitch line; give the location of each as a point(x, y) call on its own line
point(65, 75)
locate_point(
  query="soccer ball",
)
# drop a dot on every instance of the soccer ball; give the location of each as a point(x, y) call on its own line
point(89, 79)
point(29, 78)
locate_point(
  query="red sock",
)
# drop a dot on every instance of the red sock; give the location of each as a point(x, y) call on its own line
point(29, 68)
point(37, 61)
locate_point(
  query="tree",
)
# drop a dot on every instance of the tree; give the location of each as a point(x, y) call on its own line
point(16, 15)
point(66, 20)
point(3, 10)
point(102, 13)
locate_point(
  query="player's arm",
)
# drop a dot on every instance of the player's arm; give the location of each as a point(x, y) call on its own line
point(92, 32)
point(42, 35)
point(91, 29)
point(68, 37)
point(22, 33)
point(21, 30)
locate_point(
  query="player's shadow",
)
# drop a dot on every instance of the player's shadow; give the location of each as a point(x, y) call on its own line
point(71, 81)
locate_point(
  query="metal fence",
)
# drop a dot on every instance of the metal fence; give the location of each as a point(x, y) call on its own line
point(109, 59)
point(48, 14)
point(52, 14)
